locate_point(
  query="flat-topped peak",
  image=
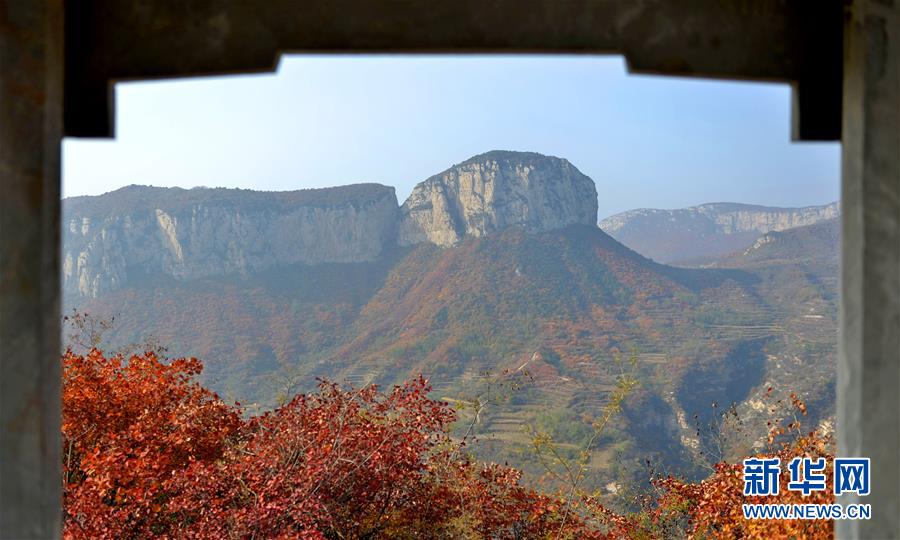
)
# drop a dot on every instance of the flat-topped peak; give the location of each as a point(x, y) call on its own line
point(508, 155)
point(136, 198)
point(496, 190)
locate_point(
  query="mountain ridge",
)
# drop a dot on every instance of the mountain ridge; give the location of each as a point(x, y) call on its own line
point(702, 233)
point(200, 232)
point(273, 296)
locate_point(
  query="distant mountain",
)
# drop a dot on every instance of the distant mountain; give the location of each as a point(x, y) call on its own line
point(111, 239)
point(497, 190)
point(492, 279)
point(701, 234)
point(816, 246)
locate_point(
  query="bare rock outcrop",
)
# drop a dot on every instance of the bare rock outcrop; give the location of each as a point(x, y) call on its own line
point(494, 191)
point(115, 240)
point(112, 239)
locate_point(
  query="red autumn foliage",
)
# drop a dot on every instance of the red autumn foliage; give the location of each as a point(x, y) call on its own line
point(128, 427)
point(150, 453)
point(712, 508)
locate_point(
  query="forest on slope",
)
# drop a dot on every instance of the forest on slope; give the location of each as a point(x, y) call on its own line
point(522, 326)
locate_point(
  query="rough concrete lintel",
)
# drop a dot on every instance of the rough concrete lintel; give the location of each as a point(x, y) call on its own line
point(791, 41)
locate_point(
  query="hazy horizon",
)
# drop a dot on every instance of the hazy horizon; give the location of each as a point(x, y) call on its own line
point(324, 121)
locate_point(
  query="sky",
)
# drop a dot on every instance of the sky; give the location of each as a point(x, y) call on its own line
point(319, 121)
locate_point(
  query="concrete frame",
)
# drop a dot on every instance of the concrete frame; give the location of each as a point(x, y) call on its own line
point(58, 61)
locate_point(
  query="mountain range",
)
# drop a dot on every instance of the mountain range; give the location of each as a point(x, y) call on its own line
point(492, 279)
point(701, 234)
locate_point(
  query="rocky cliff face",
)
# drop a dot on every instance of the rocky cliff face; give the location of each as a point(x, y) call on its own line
point(707, 231)
point(115, 239)
point(110, 239)
point(727, 218)
point(494, 191)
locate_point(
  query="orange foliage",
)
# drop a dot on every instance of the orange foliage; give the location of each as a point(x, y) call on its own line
point(713, 508)
point(128, 426)
point(150, 453)
point(715, 504)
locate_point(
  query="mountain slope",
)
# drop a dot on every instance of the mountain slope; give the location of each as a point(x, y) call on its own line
point(703, 233)
point(816, 246)
point(509, 290)
point(555, 308)
point(798, 270)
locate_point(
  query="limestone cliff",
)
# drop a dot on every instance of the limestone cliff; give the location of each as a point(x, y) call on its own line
point(703, 233)
point(112, 239)
point(497, 190)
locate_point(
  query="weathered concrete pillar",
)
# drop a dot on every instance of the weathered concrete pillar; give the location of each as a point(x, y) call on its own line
point(869, 362)
point(31, 77)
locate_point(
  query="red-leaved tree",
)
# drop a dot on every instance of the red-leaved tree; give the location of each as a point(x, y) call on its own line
point(149, 452)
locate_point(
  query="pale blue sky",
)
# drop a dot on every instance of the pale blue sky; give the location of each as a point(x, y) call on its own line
point(331, 120)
